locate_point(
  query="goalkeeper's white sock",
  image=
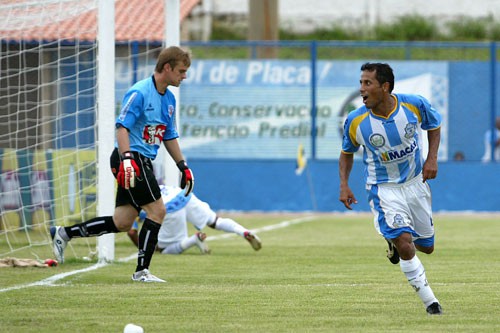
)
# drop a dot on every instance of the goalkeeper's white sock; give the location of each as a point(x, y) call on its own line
point(229, 225)
point(415, 273)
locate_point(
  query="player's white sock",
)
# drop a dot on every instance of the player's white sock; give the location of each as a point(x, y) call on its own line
point(179, 247)
point(174, 248)
point(228, 225)
point(186, 243)
point(415, 273)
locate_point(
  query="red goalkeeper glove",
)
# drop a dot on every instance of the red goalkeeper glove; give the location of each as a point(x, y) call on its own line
point(129, 171)
point(187, 180)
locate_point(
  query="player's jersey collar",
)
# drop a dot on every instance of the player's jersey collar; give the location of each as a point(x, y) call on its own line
point(391, 114)
point(156, 88)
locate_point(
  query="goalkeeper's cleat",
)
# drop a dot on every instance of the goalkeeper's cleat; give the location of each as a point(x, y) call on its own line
point(434, 309)
point(253, 240)
point(58, 244)
point(392, 253)
point(200, 243)
point(145, 276)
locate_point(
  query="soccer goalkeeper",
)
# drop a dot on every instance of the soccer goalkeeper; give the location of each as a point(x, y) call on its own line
point(173, 236)
point(146, 120)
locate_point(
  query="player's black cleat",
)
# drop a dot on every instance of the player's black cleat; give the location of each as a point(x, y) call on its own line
point(434, 309)
point(392, 253)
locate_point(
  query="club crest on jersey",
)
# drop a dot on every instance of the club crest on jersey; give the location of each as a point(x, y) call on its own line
point(377, 140)
point(410, 130)
point(395, 155)
point(153, 134)
point(171, 110)
point(399, 221)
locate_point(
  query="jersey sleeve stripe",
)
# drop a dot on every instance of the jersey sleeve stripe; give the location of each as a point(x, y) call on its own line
point(413, 109)
point(354, 127)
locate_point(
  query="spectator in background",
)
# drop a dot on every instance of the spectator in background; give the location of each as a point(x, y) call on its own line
point(388, 126)
point(173, 236)
point(487, 143)
point(459, 156)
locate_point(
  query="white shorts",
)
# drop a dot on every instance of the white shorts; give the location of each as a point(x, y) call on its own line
point(174, 228)
point(399, 208)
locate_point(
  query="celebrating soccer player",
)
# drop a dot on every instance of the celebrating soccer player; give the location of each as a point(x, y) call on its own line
point(388, 127)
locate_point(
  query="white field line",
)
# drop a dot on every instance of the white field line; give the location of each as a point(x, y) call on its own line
point(280, 225)
point(50, 280)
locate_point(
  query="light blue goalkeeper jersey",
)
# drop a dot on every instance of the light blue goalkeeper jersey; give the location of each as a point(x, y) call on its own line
point(149, 117)
point(393, 145)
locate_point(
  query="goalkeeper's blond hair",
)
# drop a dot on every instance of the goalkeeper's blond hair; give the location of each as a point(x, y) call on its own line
point(172, 55)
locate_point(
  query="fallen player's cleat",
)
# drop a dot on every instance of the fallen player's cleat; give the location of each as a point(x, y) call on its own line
point(200, 243)
point(253, 240)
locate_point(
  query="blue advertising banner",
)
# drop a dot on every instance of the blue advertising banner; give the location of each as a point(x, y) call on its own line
point(261, 109)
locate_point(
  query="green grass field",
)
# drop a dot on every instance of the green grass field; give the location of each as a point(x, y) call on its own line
point(326, 273)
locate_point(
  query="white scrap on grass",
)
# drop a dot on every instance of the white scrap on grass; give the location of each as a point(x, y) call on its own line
point(50, 280)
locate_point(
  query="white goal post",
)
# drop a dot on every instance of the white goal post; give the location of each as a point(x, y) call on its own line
point(105, 120)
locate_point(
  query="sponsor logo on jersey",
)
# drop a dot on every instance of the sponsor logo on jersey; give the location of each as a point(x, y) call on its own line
point(153, 134)
point(396, 155)
point(150, 108)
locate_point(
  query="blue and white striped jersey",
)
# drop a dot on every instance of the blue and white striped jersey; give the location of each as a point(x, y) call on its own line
point(149, 117)
point(393, 145)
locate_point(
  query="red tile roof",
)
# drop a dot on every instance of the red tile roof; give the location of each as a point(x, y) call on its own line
point(135, 20)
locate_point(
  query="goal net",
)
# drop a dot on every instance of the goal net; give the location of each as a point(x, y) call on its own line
point(53, 154)
point(48, 91)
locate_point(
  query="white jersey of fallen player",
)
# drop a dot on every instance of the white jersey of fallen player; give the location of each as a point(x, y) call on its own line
point(180, 210)
point(392, 145)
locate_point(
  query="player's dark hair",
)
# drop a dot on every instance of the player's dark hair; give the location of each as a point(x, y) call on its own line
point(383, 73)
point(172, 55)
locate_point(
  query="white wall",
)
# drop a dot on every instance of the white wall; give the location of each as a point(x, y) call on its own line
point(309, 14)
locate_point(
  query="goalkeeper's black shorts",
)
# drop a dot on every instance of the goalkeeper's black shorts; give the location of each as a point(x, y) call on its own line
point(146, 189)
